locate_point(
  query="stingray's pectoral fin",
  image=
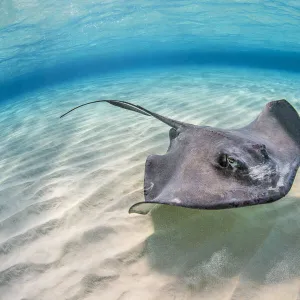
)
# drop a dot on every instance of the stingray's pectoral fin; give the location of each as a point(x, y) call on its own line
point(136, 108)
point(142, 208)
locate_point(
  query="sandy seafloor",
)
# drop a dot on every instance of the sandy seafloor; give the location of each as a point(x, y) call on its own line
point(66, 186)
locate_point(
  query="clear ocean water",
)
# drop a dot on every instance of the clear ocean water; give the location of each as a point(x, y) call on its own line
point(66, 184)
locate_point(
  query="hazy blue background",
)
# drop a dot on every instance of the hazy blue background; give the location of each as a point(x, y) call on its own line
point(46, 42)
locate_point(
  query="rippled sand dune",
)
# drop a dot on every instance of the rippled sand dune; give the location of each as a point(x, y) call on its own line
point(66, 186)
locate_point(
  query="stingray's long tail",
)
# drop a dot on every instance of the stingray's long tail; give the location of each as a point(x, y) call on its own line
point(136, 108)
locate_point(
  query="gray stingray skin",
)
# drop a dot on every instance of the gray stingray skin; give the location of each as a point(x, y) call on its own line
point(211, 168)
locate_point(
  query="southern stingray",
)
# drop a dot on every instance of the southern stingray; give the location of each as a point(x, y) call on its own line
point(211, 168)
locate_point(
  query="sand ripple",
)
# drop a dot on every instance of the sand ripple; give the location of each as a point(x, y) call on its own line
point(66, 186)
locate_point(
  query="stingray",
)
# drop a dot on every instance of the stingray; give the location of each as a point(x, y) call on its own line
point(211, 168)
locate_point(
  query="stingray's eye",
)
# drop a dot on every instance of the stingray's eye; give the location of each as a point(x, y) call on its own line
point(233, 162)
point(226, 161)
point(223, 160)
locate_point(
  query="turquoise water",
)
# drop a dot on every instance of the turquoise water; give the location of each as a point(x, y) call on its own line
point(44, 44)
point(66, 184)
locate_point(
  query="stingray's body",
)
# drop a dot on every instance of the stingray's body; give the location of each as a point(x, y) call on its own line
point(211, 168)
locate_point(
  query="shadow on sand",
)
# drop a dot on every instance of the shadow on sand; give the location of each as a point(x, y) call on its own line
point(259, 243)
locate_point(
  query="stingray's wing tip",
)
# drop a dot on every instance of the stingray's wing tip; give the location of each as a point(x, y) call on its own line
point(142, 208)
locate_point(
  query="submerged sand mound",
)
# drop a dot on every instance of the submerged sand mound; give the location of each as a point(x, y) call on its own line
point(66, 186)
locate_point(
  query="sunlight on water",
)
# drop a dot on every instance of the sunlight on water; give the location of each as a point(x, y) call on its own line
point(41, 34)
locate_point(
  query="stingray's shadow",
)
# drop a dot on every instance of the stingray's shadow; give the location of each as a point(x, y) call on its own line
point(259, 243)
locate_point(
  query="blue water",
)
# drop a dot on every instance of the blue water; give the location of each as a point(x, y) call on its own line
point(66, 184)
point(43, 43)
